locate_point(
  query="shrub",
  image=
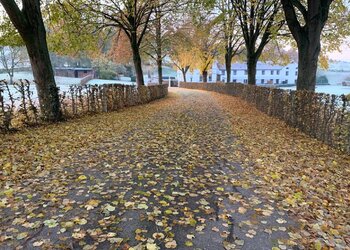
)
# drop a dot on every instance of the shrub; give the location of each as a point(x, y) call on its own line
point(107, 75)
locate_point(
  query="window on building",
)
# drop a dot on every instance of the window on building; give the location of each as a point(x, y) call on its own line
point(278, 72)
point(271, 81)
point(296, 73)
point(235, 72)
point(218, 78)
point(234, 80)
point(286, 81)
point(245, 81)
point(201, 78)
point(245, 72)
point(263, 72)
point(287, 73)
point(277, 81)
point(210, 78)
point(262, 81)
point(271, 72)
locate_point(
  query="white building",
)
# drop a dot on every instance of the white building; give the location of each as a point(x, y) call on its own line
point(265, 73)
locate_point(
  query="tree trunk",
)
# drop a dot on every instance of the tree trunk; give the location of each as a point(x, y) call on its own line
point(205, 76)
point(228, 61)
point(184, 72)
point(11, 79)
point(12, 69)
point(137, 63)
point(307, 65)
point(159, 46)
point(160, 70)
point(36, 44)
point(251, 64)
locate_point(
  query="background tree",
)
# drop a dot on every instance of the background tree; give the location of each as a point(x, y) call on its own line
point(306, 21)
point(182, 59)
point(131, 16)
point(205, 38)
point(204, 51)
point(157, 39)
point(29, 23)
point(10, 58)
point(120, 51)
point(181, 49)
point(231, 34)
point(11, 47)
point(259, 21)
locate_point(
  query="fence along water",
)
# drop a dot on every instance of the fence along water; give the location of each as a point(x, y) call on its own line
point(322, 116)
point(19, 107)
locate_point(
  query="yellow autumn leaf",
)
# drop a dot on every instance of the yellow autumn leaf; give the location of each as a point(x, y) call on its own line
point(81, 178)
point(242, 210)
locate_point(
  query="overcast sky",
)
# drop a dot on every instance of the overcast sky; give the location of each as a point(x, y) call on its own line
point(344, 55)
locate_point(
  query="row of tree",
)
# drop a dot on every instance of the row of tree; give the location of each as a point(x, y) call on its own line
point(259, 30)
point(215, 29)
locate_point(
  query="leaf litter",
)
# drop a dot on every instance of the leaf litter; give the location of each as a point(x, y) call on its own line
point(158, 176)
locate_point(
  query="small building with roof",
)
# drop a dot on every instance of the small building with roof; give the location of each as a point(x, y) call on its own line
point(74, 72)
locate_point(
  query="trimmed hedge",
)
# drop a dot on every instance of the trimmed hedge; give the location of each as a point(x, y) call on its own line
point(18, 109)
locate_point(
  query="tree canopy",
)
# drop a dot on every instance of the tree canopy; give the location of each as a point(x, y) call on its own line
point(219, 28)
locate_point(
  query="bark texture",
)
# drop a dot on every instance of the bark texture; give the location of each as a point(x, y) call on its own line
point(228, 66)
point(251, 65)
point(205, 76)
point(184, 72)
point(137, 62)
point(159, 44)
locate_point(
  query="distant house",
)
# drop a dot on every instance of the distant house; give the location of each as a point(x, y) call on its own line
point(74, 72)
point(265, 74)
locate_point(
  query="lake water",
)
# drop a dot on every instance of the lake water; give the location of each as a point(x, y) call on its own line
point(62, 82)
point(328, 89)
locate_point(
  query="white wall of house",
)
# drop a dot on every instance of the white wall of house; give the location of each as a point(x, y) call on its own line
point(266, 74)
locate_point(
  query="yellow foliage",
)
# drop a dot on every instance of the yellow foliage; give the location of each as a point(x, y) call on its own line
point(323, 61)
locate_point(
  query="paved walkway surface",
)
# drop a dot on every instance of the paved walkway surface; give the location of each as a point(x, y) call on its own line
point(170, 181)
